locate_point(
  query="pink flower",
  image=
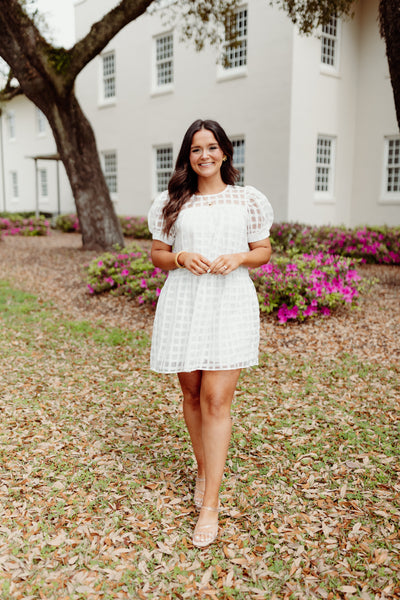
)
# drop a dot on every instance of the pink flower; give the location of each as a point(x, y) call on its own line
point(282, 314)
point(124, 272)
point(309, 311)
point(143, 284)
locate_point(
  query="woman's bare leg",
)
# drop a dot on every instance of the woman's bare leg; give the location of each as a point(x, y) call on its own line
point(190, 384)
point(216, 394)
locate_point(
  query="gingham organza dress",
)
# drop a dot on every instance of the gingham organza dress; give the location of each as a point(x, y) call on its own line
point(209, 322)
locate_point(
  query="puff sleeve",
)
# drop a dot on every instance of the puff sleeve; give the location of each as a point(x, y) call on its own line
point(259, 215)
point(156, 220)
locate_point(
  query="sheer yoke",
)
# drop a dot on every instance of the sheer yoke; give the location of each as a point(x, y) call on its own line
point(209, 322)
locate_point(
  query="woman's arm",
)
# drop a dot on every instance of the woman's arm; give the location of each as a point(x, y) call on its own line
point(163, 257)
point(259, 254)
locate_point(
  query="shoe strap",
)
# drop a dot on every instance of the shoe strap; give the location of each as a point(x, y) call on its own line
point(199, 528)
point(211, 508)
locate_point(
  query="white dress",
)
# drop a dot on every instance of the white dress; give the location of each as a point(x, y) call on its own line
point(209, 322)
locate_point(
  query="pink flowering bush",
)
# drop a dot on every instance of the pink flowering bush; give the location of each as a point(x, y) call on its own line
point(307, 285)
point(126, 272)
point(135, 227)
point(379, 245)
point(68, 223)
point(293, 288)
point(27, 226)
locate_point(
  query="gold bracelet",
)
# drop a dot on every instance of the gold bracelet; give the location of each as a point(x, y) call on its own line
point(177, 258)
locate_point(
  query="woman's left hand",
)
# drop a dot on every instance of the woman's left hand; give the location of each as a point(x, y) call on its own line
point(224, 264)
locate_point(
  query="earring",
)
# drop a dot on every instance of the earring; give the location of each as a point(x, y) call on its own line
point(224, 159)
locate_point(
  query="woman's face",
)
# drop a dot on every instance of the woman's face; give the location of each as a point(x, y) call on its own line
point(205, 154)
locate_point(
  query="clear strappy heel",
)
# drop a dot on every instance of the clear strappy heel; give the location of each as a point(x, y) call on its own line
point(206, 534)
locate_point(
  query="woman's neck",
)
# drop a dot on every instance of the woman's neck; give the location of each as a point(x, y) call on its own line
point(207, 187)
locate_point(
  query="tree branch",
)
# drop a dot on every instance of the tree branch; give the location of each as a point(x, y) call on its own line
point(21, 45)
point(101, 33)
point(8, 93)
point(310, 14)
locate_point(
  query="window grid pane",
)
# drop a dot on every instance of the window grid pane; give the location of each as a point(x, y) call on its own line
point(41, 121)
point(14, 184)
point(164, 60)
point(110, 171)
point(237, 53)
point(164, 167)
point(329, 42)
point(109, 75)
point(239, 158)
point(44, 188)
point(393, 166)
point(323, 164)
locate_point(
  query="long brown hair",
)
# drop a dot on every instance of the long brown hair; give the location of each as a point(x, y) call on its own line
point(183, 183)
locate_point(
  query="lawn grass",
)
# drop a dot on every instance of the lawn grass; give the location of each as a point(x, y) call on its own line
point(96, 474)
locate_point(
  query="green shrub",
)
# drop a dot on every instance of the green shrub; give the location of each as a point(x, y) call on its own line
point(135, 227)
point(380, 245)
point(17, 224)
point(128, 272)
point(68, 223)
point(293, 288)
point(307, 285)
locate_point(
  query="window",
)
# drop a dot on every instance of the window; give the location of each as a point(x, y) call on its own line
point(40, 121)
point(110, 170)
point(164, 167)
point(324, 166)
point(108, 72)
point(392, 166)
point(11, 125)
point(164, 75)
point(236, 52)
point(43, 183)
point(330, 43)
point(14, 185)
point(238, 158)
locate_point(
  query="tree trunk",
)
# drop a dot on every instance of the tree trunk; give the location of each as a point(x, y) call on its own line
point(77, 148)
point(389, 12)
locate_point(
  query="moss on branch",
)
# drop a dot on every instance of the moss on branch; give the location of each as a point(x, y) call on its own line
point(59, 59)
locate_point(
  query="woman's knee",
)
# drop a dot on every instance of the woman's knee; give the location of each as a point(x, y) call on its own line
point(190, 385)
point(216, 405)
point(192, 398)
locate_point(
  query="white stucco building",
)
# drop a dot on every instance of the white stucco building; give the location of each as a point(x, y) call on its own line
point(26, 184)
point(312, 118)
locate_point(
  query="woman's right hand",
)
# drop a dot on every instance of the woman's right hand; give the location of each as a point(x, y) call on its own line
point(195, 263)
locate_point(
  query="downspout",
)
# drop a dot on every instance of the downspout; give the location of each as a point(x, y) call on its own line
point(3, 181)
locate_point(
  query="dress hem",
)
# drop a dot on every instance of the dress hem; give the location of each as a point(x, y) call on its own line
point(174, 371)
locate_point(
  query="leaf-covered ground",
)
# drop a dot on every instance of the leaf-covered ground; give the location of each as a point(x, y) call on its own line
point(96, 471)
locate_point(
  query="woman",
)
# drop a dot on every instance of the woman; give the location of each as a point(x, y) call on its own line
point(207, 232)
